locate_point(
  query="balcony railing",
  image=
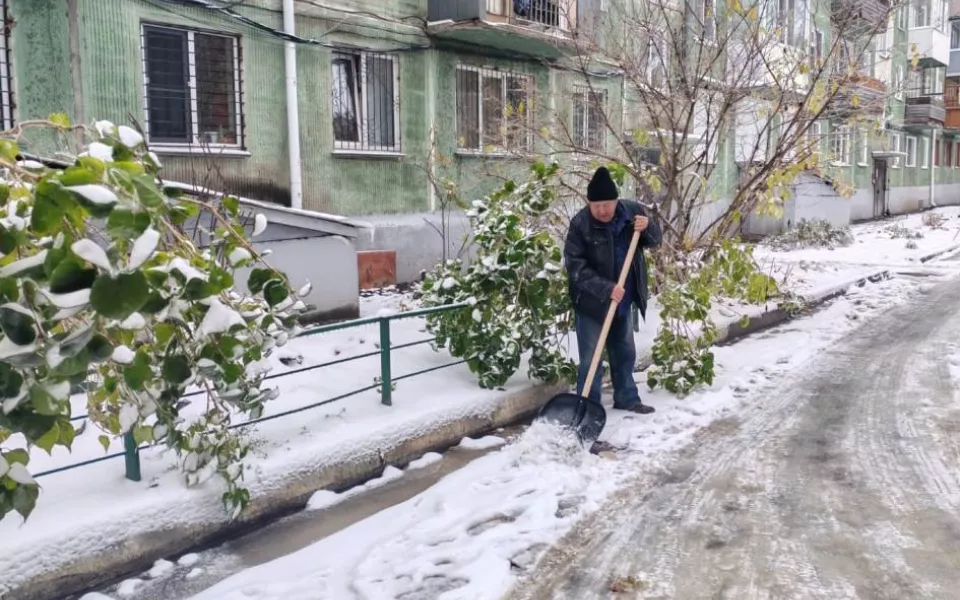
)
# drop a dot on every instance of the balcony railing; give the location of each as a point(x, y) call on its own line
point(858, 94)
point(924, 109)
point(558, 14)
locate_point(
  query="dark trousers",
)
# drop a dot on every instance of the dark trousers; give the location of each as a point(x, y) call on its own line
point(621, 351)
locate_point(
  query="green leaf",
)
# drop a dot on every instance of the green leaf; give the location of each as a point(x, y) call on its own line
point(198, 289)
point(105, 442)
point(100, 348)
point(76, 341)
point(9, 149)
point(258, 278)
point(147, 191)
point(67, 434)
point(47, 213)
point(137, 374)
point(72, 366)
point(78, 176)
point(164, 332)
point(118, 297)
point(8, 239)
point(232, 204)
point(19, 327)
point(48, 440)
point(71, 275)
point(275, 292)
point(25, 499)
point(128, 225)
point(94, 165)
point(60, 119)
point(10, 381)
point(154, 304)
point(143, 434)
point(176, 369)
point(220, 279)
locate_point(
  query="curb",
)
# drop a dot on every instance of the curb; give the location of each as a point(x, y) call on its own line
point(938, 253)
point(139, 552)
point(734, 330)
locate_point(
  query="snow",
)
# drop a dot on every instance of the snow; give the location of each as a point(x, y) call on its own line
point(219, 318)
point(123, 355)
point(18, 266)
point(326, 498)
point(129, 413)
point(129, 136)
point(91, 252)
point(134, 322)
point(260, 224)
point(238, 255)
point(104, 508)
point(77, 299)
point(424, 461)
point(101, 151)
point(144, 247)
point(161, 568)
point(484, 443)
point(105, 128)
point(19, 473)
point(188, 560)
point(128, 588)
point(95, 193)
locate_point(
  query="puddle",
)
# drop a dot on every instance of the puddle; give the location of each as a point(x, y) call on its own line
point(294, 532)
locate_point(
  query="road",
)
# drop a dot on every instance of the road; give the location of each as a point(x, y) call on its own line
point(842, 482)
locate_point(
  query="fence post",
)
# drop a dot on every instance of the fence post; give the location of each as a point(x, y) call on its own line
point(132, 456)
point(386, 379)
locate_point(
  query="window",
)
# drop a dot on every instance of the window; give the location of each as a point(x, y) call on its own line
point(814, 137)
point(903, 16)
point(816, 50)
point(954, 35)
point(366, 105)
point(948, 153)
point(896, 143)
point(192, 85)
point(898, 81)
point(708, 14)
point(911, 151)
point(658, 57)
point(7, 106)
point(786, 21)
point(864, 147)
point(840, 145)
point(493, 110)
point(924, 153)
point(589, 124)
point(921, 13)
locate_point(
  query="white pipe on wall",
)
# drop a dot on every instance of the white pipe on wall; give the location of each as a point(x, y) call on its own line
point(293, 108)
point(933, 170)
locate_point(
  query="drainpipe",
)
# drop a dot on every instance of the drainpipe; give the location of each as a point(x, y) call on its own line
point(293, 108)
point(933, 170)
point(76, 81)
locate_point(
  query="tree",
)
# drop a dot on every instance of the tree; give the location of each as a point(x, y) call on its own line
point(146, 311)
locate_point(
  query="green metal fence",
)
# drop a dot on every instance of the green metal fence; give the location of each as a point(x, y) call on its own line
point(385, 382)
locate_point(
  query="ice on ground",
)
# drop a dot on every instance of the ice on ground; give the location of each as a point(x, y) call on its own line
point(188, 560)
point(484, 443)
point(194, 573)
point(128, 587)
point(425, 461)
point(160, 568)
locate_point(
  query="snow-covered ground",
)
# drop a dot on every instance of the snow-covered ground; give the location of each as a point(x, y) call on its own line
point(471, 535)
point(82, 510)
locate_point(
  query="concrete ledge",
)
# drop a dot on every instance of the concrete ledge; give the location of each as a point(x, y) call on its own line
point(285, 496)
point(939, 253)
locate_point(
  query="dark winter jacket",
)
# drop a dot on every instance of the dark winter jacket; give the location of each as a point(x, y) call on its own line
point(589, 254)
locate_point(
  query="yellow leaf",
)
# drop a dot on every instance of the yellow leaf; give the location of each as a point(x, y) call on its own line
point(752, 14)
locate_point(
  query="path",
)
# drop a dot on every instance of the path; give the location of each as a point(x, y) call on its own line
point(841, 482)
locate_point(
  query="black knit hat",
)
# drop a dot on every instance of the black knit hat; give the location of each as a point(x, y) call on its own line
point(602, 188)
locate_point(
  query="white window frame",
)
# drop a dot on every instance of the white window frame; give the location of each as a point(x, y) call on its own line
point(815, 139)
point(588, 97)
point(923, 145)
point(840, 145)
point(192, 86)
point(360, 79)
point(504, 76)
point(911, 141)
point(896, 145)
point(898, 81)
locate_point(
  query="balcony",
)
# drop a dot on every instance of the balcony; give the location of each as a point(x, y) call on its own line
point(924, 112)
point(859, 13)
point(951, 96)
point(534, 28)
point(933, 45)
point(858, 94)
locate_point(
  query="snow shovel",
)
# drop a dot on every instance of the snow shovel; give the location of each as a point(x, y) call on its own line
point(587, 419)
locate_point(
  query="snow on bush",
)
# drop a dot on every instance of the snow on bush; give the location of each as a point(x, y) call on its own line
point(515, 287)
point(144, 311)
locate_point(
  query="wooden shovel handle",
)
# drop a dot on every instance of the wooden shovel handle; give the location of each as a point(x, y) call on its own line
point(611, 312)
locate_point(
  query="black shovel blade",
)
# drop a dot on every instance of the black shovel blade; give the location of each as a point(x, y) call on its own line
point(587, 419)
